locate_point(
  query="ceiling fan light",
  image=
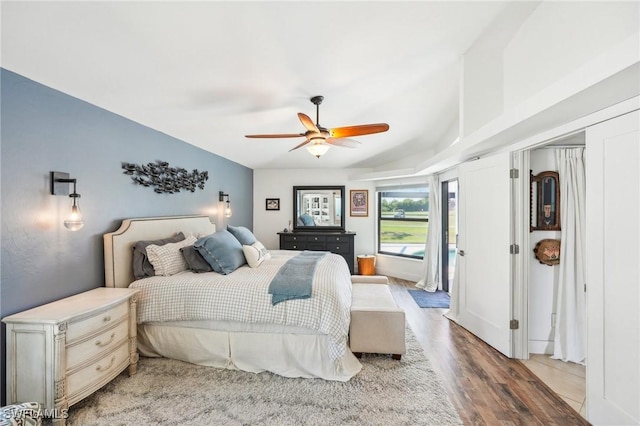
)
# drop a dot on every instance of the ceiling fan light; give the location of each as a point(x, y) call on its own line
point(318, 149)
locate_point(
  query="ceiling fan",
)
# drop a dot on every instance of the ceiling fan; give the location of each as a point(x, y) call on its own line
point(321, 138)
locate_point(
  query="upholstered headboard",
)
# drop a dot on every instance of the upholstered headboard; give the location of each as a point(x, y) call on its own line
point(118, 251)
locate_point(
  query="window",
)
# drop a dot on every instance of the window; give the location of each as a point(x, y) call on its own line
point(403, 220)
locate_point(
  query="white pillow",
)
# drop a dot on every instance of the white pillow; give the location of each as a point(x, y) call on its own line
point(255, 254)
point(168, 259)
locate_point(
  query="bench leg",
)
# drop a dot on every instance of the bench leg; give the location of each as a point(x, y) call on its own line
point(358, 354)
point(396, 356)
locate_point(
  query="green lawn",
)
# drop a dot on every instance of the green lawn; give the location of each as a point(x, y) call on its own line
point(397, 231)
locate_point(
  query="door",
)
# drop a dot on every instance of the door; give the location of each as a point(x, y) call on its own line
point(449, 232)
point(484, 259)
point(613, 256)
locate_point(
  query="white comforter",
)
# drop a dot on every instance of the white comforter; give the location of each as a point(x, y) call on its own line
point(242, 296)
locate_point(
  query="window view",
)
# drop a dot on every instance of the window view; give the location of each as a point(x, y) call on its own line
point(403, 220)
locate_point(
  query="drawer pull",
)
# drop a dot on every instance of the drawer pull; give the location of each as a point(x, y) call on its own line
point(295, 247)
point(107, 318)
point(101, 369)
point(99, 343)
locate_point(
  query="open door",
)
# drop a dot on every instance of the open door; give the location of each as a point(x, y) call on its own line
point(484, 250)
point(613, 274)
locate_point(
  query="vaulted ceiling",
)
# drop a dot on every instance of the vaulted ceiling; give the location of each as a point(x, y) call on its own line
point(210, 72)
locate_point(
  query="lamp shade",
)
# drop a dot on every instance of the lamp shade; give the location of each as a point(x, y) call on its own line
point(318, 149)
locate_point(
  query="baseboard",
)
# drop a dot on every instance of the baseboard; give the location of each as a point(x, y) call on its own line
point(542, 347)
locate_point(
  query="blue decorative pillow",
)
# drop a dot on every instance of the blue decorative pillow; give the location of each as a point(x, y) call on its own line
point(222, 251)
point(307, 220)
point(244, 235)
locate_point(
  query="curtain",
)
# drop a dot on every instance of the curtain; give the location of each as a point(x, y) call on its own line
point(570, 333)
point(431, 262)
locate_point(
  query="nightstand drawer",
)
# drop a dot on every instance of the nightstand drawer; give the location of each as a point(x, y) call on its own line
point(93, 347)
point(98, 373)
point(81, 328)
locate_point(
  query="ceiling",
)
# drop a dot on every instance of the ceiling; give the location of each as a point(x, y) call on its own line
point(210, 72)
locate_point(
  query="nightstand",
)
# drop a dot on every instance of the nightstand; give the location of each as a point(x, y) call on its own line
point(61, 352)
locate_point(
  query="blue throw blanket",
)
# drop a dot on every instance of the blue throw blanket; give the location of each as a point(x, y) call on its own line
point(294, 279)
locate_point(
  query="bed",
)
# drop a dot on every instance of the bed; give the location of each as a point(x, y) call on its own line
point(228, 321)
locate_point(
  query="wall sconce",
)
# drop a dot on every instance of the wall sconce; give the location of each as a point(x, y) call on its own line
point(227, 208)
point(59, 186)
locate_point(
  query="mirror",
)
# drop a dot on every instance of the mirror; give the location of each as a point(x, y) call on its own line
point(545, 201)
point(318, 208)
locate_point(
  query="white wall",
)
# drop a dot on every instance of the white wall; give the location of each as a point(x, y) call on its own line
point(280, 183)
point(559, 38)
point(558, 49)
point(543, 279)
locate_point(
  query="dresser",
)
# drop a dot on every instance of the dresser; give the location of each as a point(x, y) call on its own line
point(341, 243)
point(61, 352)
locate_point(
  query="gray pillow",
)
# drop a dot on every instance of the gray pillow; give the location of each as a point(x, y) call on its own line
point(222, 251)
point(244, 235)
point(142, 268)
point(195, 260)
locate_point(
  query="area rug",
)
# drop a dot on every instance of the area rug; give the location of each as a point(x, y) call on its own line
point(426, 299)
point(169, 392)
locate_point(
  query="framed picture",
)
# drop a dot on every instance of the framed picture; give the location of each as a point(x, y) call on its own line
point(273, 204)
point(359, 202)
point(545, 201)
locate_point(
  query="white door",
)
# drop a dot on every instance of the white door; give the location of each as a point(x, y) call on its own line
point(484, 256)
point(613, 256)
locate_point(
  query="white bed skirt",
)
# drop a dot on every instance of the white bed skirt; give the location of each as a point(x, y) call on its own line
point(300, 353)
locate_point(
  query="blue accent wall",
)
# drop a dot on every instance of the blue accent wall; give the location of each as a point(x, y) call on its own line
point(44, 130)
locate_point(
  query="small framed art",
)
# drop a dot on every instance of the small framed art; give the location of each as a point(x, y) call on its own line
point(359, 202)
point(273, 204)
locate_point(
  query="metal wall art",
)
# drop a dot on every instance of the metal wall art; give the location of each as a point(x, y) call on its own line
point(548, 251)
point(165, 179)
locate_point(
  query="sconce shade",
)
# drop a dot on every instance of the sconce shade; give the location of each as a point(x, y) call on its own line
point(74, 222)
point(227, 208)
point(60, 186)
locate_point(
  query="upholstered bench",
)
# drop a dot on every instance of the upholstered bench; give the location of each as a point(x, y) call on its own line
point(377, 323)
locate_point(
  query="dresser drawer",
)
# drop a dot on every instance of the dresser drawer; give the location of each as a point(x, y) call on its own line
point(294, 239)
point(102, 370)
point(339, 248)
point(338, 239)
point(93, 347)
point(316, 239)
point(300, 245)
point(81, 328)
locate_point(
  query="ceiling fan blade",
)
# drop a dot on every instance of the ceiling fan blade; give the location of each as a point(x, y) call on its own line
point(364, 129)
point(308, 123)
point(300, 145)
point(345, 143)
point(283, 135)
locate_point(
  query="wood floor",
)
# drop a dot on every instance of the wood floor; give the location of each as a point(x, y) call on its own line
point(486, 387)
